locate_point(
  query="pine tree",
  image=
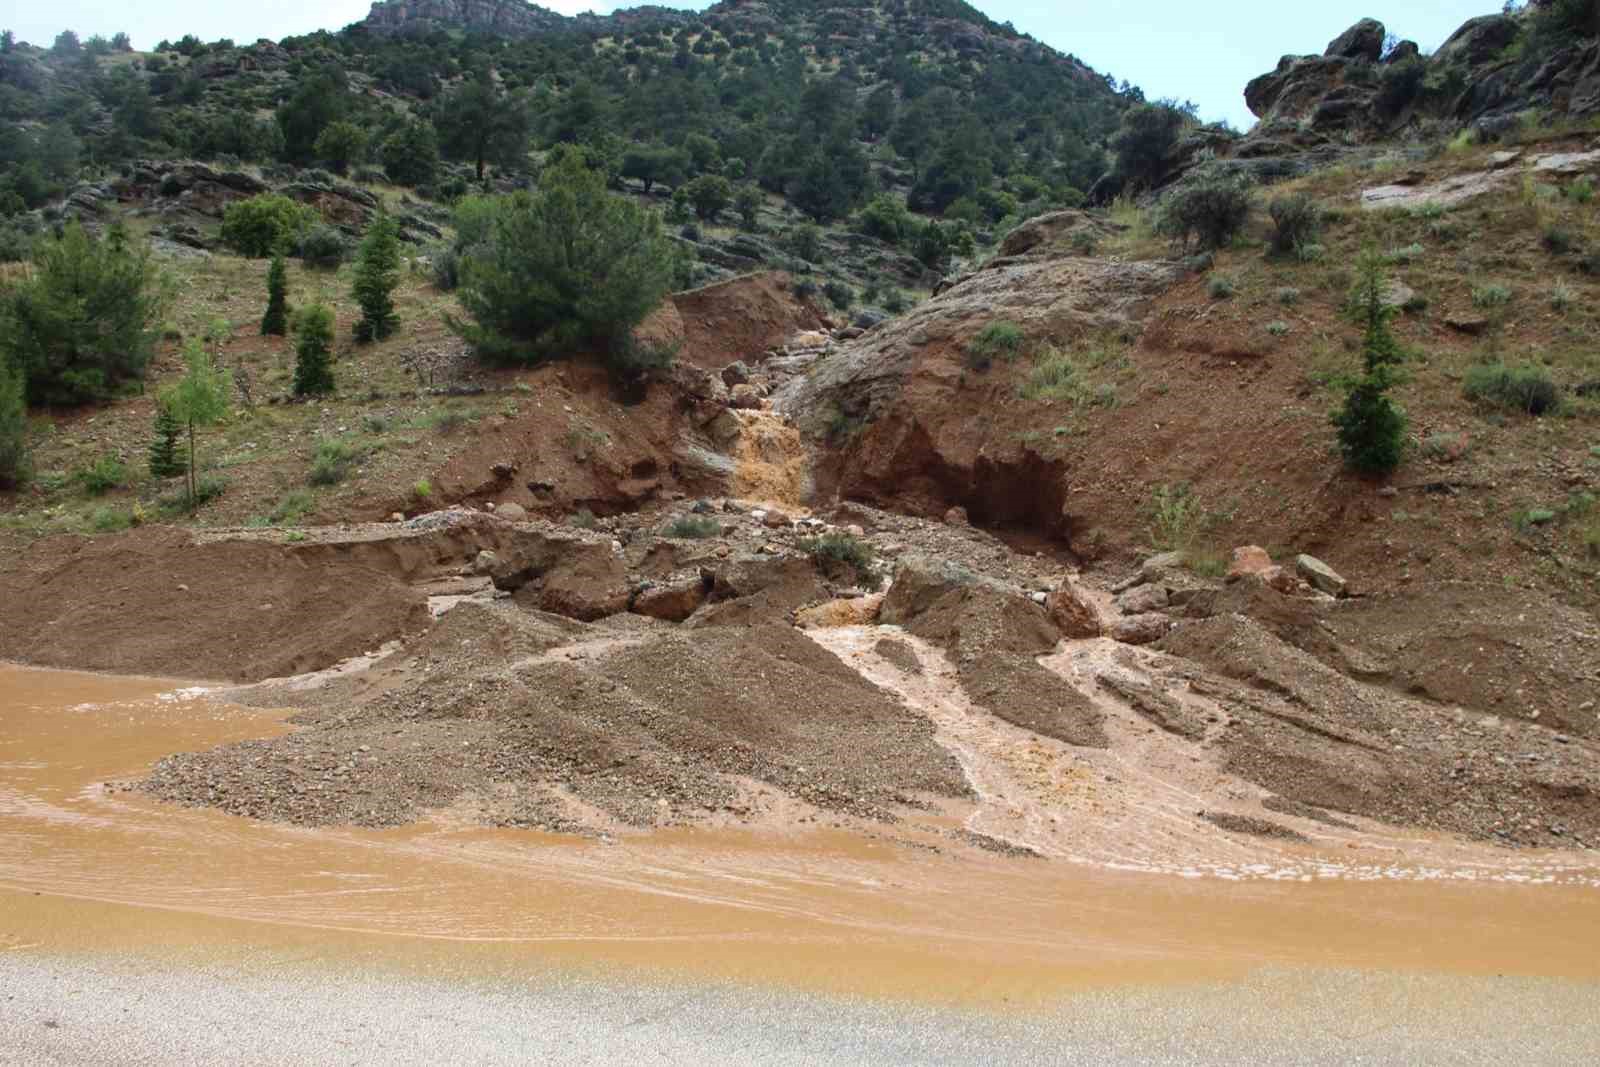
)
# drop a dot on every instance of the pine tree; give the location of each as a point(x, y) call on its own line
point(313, 365)
point(165, 462)
point(1371, 426)
point(13, 427)
point(377, 275)
point(276, 321)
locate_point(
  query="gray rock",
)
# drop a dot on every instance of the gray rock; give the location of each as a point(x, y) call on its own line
point(1143, 600)
point(1319, 575)
point(1141, 629)
point(1364, 40)
point(512, 512)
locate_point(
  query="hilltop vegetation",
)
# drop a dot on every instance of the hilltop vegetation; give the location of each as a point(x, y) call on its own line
point(825, 105)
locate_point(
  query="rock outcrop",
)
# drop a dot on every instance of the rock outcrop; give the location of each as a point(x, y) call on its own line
point(929, 437)
point(1491, 70)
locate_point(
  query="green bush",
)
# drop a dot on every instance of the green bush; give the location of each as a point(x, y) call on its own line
point(323, 248)
point(834, 553)
point(710, 194)
point(1210, 211)
point(1296, 221)
point(110, 520)
point(294, 506)
point(1559, 239)
point(84, 323)
point(567, 267)
point(1054, 377)
point(377, 276)
point(1528, 388)
point(1001, 339)
point(693, 527)
point(1176, 517)
point(14, 464)
point(331, 462)
point(806, 242)
point(1143, 144)
point(1399, 257)
point(265, 224)
point(102, 476)
point(313, 365)
point(411, 156)
point(1221, 287)
point(840, 295)
point(1490, 296)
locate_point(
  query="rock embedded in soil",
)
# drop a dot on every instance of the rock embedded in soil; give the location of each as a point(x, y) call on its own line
point(1321, 576)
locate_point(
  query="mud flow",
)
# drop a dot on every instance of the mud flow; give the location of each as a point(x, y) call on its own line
point(86, 865)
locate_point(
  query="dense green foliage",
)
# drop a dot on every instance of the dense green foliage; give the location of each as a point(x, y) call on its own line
point(826, 104)
point(1296, 222)
point(265, 225)
point(276, 321)
point(377, 275)
point(313, 363)
point(1209, 210)
point(323, 248)
point(1371, 427)
point(411, 155)
point(14, 466)
point(1143, 142)
point(567, 267)
point(164, 459)
point(1528, 388)
point(82, 325)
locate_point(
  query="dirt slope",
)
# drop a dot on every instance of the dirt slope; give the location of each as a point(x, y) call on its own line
point(162, 602)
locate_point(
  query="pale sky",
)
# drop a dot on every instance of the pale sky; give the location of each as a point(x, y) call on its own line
point(1205, 52)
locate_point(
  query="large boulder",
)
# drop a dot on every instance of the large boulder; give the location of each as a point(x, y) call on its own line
point(1363, 41)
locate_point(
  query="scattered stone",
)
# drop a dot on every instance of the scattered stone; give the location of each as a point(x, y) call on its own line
point(956, 517)
point(1248, 559)
point(1471, 325)
point(1321, 576)
point(735, 374)
point(776, 520)
point(485, 562)
point(1141, 629)
point(1143, 600)
point(513, 512)
point(673, 602)
point(1073, 612)
point(745, 398)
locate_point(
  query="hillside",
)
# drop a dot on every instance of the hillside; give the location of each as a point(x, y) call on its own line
point(1092, 462)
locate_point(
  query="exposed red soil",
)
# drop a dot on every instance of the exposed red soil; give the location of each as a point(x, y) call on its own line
point(739, 319)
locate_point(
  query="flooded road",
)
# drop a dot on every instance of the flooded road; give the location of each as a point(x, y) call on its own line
point(88, 867)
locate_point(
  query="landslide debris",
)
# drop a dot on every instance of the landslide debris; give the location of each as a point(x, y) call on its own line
point(628, 722)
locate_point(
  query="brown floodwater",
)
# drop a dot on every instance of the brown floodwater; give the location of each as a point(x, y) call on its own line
point(84, 867)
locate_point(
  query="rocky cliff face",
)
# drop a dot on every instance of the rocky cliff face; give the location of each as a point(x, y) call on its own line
point(1491, 70)
point(512, 18)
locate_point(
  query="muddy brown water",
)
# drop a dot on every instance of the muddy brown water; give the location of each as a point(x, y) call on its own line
point(87, 868)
